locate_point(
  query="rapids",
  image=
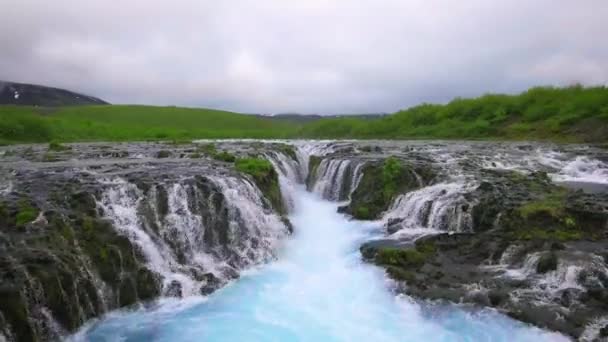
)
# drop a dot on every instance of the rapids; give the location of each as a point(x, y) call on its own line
point(318, 289)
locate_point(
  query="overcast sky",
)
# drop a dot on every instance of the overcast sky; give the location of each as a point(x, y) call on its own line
point(332, 56)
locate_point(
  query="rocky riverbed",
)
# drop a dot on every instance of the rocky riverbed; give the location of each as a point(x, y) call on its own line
point(89, 228)
point(519, 227)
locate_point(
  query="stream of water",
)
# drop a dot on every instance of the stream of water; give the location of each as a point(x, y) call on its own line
point(319, 289)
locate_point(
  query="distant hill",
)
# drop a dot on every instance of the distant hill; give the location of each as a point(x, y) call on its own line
point(12, 93)
point(314, 117)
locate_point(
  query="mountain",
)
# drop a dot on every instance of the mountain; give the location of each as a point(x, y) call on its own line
point(13, 93)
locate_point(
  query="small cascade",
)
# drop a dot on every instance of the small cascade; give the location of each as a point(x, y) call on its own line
point(197, 232)
point(290, 173)
point(441, 207)
point(330, 178)
point(583, 169)
point(336, 179)
point(254, 232)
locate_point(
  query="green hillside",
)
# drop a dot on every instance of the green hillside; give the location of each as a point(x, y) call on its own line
point(546, 113)
point(120, 123)
point(572, 114)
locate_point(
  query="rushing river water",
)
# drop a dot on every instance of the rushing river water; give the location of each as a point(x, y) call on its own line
point(317, 290)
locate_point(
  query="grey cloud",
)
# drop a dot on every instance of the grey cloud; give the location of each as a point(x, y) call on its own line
point(305, 56)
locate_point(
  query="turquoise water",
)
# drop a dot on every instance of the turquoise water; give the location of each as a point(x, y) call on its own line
point(318, 290)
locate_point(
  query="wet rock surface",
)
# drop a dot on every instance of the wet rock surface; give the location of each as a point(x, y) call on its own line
point(519, 227)
point(88, 228)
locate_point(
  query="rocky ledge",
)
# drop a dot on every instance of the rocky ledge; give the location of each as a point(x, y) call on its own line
point(508, 226)
point(88, 228)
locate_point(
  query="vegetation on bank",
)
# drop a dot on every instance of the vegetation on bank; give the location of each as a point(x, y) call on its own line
point(130, 123)
point(265, 177)
point(571, 114)
point(381, 184)
point(562, 114)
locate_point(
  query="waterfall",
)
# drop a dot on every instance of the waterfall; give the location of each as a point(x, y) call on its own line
point(290, 173)
point(336, 179)
point(438, 208)
point(195, 231)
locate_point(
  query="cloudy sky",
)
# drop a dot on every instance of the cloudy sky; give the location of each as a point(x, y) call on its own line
point(331, 56)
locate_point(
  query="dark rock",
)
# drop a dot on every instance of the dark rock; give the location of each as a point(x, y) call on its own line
point(604, 331)
point(546, 263)
point(174, 289)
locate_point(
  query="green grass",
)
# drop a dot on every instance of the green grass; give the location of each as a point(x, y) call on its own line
point(571, 114)
point(259, 168)
point(26, 214)
point(266, 179)
point(131, 123)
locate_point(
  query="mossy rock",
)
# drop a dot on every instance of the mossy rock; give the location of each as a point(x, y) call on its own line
point(546, 263)
point(408, 258)
point(224, 156)
point(266, 178)
point(148, 284)
point(381, 184)
point(58, 147)
point(287, 150)
point(26, 213)
point(163, 154)
point(313, 166)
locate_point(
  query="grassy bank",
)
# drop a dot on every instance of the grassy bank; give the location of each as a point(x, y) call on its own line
point(572, 114)
point(121, 123)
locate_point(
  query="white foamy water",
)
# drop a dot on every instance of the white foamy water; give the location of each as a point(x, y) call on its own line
point(318, 290)
point(435, 208)
point(253, 233)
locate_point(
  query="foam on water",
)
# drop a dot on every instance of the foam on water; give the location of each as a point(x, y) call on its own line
point(318, 290)
point(438, 207)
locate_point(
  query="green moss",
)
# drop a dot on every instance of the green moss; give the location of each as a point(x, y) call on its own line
point(287, 150)
point(265, 177)
point(313, 165)
point(380, 185)
point(362, 213)
point(26, 214)
point(58, 147)
point(398, 273)
point(195, 155)
point(553, 205)
point(392, 172)
point(400, 257)
point(259, 168)
point(50, 157)
point(224, 156)
point(558, 234)
point(178, 142)
point(545, 219)
point(207, 149)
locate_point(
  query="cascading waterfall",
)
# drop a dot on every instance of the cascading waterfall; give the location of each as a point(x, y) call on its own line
point(290, 173)
point(318, 290)
point(203, 236)
point(432, 209)
point(336, 179)
point(330, 178)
